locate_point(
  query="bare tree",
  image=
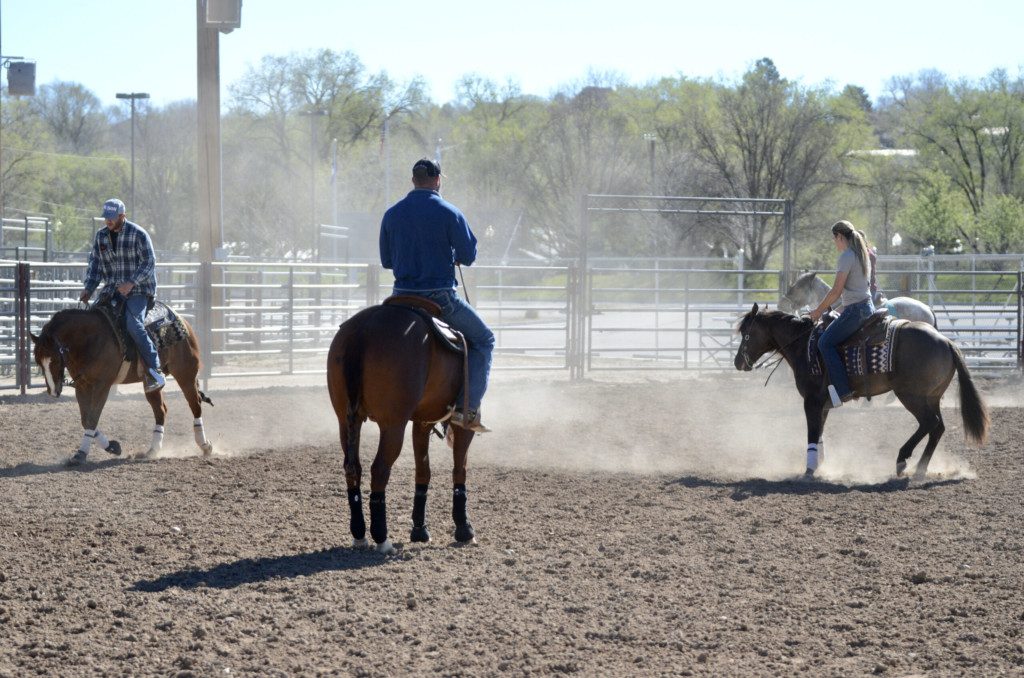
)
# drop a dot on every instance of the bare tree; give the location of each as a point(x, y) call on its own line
point(73, 115)
point(766, 138)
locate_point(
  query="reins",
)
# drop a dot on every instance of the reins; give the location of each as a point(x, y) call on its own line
point(780, 353)
point(465, 291)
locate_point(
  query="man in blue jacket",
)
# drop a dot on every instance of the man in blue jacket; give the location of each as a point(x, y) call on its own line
point(122, 258)
point(422, 238)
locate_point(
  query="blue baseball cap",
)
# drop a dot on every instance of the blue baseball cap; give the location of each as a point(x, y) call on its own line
point(112, 208)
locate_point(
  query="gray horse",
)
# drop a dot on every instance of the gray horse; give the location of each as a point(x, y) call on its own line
point(809, 290)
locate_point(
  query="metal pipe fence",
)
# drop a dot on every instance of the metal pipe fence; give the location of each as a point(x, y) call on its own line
point(268, 318)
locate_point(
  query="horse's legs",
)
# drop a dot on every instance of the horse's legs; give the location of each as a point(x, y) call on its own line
point(380, 472)
point(420, 445)
point(815, 414)
point(933, 439)
point(460, 450)
point(353, 478)
point(156, 401)
point(927, 418)
point(91, 400)
point(185, 368)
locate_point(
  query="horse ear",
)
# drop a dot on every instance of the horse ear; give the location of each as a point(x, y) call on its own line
point(35, 339)
point(753, 311)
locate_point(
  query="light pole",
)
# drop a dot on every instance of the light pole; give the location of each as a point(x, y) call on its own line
point(651, 140)
point(132, 96)
point(313, 115)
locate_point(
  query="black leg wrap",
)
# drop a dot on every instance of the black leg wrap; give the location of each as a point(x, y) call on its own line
point(378, 518)
point(419, 506)
point(463, 530)
point(356, 522)
point(419, 532)
point(459, 505)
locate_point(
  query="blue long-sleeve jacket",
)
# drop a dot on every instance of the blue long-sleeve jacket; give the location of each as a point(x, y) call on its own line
point(422, 236)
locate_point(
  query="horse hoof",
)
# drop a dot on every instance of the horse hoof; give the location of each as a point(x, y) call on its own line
point(386, 548)
point(809, 472)
point(207, 449)
point(464, 534)
point(114, 448)
point(360, 543)
point(77, 459)
point(901, 467)
point(419, 535)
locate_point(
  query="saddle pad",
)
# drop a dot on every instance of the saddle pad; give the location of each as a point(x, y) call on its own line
point(861, 355)
point(163, 325)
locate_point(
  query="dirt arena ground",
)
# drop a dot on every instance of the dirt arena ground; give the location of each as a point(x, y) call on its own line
point(625, 527)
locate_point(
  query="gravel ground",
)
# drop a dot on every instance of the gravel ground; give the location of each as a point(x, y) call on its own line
point(624, 527)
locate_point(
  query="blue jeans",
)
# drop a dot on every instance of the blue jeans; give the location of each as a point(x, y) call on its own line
point(465, 319)
point(135, 315)
point(841, 329)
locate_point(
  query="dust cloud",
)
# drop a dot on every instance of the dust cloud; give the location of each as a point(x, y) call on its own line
point(724, 427)
point(727, 427)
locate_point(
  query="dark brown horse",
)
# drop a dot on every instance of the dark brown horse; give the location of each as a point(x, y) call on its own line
point(385, 364)
point(83, 343)
point(924, 363)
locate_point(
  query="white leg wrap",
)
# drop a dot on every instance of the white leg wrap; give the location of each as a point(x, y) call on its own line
point(87, 437)
point(158, 439)
point(200, 432)
point(814, 458)
point(102, 440)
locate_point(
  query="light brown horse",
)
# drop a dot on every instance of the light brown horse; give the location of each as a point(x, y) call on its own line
point(385, 364)
point(83, 343)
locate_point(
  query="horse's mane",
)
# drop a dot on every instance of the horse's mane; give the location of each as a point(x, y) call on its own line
point(775, 315)
point(805, 278)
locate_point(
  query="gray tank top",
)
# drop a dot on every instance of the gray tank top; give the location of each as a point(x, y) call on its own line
point(856, 288)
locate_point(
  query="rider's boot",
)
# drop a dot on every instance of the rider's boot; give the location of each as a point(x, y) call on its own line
point(469, 420)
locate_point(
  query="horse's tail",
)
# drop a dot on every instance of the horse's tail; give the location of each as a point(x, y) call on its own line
point(972, 407)
point(352, 358)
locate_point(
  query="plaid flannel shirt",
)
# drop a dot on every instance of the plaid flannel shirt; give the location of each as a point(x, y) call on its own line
point(133, 260)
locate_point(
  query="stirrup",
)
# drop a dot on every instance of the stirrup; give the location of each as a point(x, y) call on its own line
point(470, 422)
point(834, 397)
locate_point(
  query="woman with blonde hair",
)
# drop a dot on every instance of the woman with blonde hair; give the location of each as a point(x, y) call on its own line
point(853, 271)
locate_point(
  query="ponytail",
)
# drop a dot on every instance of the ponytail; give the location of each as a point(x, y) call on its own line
point(856, 241)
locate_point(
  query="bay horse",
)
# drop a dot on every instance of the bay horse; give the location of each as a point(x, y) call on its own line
point(83, 343)
point(386, 364)
point(809, 290)
point(924, 362)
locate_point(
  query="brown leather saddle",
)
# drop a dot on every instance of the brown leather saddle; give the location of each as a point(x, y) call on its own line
point(431, 312)
point(867, 351)
point(163, 325)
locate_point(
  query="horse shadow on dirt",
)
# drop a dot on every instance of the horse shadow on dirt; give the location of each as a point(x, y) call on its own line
point(253, 570)
point(759, 487)
point(31, 469)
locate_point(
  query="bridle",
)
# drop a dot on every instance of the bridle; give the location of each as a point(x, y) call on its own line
point(62, 355)
point(779, 350)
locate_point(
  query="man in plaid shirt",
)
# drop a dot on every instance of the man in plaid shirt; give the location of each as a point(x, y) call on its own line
point(122, 258)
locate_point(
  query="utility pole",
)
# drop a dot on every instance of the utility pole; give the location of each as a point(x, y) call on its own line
point(212, 17)
point(313, 115)
point(132, 96)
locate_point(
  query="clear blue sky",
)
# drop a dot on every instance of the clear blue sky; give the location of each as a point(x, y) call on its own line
point(150, 45)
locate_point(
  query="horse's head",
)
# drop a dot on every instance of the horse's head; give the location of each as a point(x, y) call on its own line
point(799, 293)
point(755, 340)
point(51, 356)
